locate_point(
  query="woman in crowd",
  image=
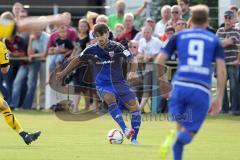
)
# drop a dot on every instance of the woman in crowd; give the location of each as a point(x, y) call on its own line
point(79, 78)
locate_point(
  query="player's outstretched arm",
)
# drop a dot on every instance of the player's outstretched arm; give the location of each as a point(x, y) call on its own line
point(216, 105)
point(37, 23)
point(74, 63)
point(8, 27)
point(161, 58)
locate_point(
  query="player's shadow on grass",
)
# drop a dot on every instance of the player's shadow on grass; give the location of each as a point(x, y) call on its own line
point(82, 115)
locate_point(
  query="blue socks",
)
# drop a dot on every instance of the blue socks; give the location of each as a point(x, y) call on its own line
point(117, 115)
point(136, 122)
point(183, 138)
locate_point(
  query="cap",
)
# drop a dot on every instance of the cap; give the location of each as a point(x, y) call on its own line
point(229, 13)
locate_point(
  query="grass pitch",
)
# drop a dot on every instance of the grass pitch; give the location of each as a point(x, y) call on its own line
point(219, 139)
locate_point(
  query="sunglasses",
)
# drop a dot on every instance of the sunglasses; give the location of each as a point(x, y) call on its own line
point(227, 17)
point(175, 12)
point(181, 23)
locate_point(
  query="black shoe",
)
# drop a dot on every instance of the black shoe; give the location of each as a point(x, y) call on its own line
point(29, 137)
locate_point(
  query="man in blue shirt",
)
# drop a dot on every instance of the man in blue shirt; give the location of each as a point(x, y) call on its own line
point(190, 97)
point(108, 57)
point(37, 50)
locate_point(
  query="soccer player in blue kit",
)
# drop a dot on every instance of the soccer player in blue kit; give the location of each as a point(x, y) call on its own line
point(110, 81)
point(197, 49)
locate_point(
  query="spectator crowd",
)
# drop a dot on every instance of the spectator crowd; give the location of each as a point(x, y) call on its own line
point(57, 44)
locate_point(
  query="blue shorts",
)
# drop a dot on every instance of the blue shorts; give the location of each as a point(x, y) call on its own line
point(189, 105)
point(121, 91)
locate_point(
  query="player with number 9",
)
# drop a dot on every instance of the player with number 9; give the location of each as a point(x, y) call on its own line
point(197, 49)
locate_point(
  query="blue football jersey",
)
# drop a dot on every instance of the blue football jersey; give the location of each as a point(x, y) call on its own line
point(107, 62)
point(197, 48)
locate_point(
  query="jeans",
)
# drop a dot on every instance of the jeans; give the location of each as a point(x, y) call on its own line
point(29, 71)
point(55, 59)
point(39, 99)
point(233, 77)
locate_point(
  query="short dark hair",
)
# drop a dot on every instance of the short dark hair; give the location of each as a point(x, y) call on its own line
point(100, 28)
point(199, 14)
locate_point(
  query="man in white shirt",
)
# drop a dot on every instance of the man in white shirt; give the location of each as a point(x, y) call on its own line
point(161, 25)
point(148, 49)
point(152, 23)
point(149, 45)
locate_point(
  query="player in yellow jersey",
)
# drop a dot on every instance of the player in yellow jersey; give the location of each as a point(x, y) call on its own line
point(10, 119)
point(7, 29)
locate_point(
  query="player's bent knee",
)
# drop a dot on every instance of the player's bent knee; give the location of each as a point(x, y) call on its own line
point(133, 105)
point(189, 132)
point(109, 98)
point(184, 137)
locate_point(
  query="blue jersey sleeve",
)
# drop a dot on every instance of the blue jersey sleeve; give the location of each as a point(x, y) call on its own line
point(171, 46)
point(219, 51)
point(124, 51)
point(128, 54)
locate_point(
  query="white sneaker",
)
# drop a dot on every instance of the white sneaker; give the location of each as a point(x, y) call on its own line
point(134, 142)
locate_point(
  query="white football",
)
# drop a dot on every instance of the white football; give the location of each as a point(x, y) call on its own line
point(115, 136)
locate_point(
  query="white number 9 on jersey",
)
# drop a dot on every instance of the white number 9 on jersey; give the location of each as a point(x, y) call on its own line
point(195, 51)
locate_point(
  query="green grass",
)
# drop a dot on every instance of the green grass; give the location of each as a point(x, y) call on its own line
point(218, 140)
